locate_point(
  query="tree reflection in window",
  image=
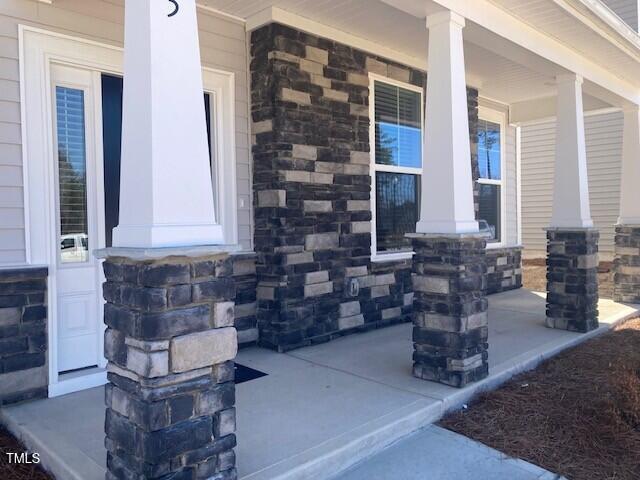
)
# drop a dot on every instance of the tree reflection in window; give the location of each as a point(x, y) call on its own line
point(72, 175)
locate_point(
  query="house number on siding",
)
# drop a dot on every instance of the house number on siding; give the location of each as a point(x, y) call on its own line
point(176, 8)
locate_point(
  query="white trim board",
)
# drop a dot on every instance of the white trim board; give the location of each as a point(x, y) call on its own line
point(38, 50)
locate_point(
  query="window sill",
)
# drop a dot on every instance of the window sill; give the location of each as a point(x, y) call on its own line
point(391, 257)
point(492, 246)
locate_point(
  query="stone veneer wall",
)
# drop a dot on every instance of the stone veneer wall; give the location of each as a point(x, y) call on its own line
point(23, 334)
point(312, 190)
point(244, 277)
point(504, 269)
point(170, 344)
point(627, 264)
point(572, 279)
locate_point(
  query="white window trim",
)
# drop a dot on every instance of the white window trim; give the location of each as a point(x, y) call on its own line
point(375, 255)
point(499, 117)
point(38, 49)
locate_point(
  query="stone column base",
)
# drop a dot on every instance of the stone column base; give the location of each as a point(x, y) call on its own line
point(626, 287)
point(572, 279)
point(170, 343)
point(450, 309)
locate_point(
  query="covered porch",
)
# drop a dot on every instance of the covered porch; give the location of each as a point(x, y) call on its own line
point(171, 309)
point(319, 409)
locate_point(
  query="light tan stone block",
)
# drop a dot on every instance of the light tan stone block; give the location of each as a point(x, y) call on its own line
point(304, 152)
point(223, 314)
point(317, 55)
point(360, 227)
point(336, 95)
point(262, 127)
point(148, 364)
point(345, 323)
point(297, 176)
point(311, 67)
point(202, 349)
point(272, 198)
point(357, 79)
point(358, 205)
point(427, 284)
point(289, 95)
point(399, 73)
point(318, 289)
point(376, 66)
point(361, 158)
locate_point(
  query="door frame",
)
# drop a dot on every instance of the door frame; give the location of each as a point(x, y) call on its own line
point(39, 49)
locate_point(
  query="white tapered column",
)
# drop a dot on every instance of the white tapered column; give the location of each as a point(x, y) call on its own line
point(572, 242)
point(626, 286)
point(630, 176)
point(570, 190)
point(447, 185)
point(166, 196)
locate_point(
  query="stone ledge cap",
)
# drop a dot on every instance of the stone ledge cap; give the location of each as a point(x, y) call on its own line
point(141, 254)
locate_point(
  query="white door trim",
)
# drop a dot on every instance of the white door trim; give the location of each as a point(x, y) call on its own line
point(38, 50)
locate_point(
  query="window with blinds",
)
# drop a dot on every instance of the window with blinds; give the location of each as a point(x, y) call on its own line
point(72, 175)
point(397, 166)
point(490, 180)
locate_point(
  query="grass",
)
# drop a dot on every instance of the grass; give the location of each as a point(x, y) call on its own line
point(577, 414)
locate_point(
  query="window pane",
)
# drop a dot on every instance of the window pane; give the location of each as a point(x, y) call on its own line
point(112, 149)
point(72, 175)
point(489, 150)
point(397, 126)
point(489, 209)
point(397, 205)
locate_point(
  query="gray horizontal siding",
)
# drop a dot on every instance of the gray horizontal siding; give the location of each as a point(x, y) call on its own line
point(223, 46)
point(604, 150)
point(627, 10)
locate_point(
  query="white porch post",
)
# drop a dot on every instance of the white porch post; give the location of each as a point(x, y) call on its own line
point(630, 175)
point(570, 188)
point(448, 297)
point(447, 185)
point(572, 242)
point(166, 194)
point(170, 340)
point(627, 254)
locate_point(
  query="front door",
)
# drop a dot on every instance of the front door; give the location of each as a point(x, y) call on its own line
point(87, 122)
point(79, 218)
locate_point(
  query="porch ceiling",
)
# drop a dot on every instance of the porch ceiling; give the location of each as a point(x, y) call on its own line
point(502, 69)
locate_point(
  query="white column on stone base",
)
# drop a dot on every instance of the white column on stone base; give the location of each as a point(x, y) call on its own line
point(166, 196)
point(630, 175)
point(570, 189)
point(447, 184)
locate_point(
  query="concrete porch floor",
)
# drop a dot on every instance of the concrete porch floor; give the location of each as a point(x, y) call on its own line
point(320, 409)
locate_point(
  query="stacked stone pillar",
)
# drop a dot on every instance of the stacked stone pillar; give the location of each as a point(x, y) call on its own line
point(572, 279)
point(170, 343)
point(450, 330)
point(627, 264)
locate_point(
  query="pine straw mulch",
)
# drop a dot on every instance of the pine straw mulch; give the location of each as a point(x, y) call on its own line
point(534, 276)
point(578, 414)
point(8, 444)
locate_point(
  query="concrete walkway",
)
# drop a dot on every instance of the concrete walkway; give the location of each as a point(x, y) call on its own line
point(320, 409)
point(438, 454)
